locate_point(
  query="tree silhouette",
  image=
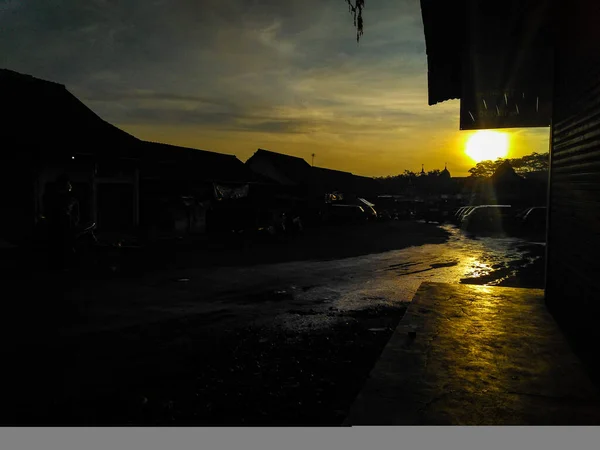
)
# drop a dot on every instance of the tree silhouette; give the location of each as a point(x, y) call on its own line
point(355, 7)
point(531, 163)
point(485, 168)
point(534, 162)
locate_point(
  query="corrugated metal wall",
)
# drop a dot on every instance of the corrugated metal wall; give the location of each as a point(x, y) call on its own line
point(573, 275)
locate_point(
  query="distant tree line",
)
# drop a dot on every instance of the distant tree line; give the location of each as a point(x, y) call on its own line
point(410, 179)
point(409, 175)
point(535, 162)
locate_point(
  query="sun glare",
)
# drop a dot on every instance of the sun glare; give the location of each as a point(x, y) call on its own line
point(485, 144)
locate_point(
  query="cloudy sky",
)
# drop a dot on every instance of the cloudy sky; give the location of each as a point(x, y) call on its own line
point(235, 75)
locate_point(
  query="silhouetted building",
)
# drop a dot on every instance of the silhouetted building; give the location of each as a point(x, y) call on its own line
point(327, 181)
point(47, 132)
point(331, 182)
point(183, 189)
point(367, 187)
point(119, 180)
point(298, 186)
point(506, 187)
point(285, 185)
point(445, 174)
point(282, 169)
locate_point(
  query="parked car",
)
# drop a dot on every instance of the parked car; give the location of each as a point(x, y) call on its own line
point(338, 213)
point(463, 212)
point(457, 214)
point(368, 209)
point(520, 213)
point(384, 216)
point(534, 220)
point(370, 212)
point(404, 214)
point(433, 213)
point(488, 218)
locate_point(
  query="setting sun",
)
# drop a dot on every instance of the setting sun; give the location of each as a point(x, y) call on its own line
point(485, 144)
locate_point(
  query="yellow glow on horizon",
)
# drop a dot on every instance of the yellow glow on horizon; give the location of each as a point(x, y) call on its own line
point(486, 144)
point(366, 155)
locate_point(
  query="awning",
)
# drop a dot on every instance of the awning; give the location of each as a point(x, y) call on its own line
point(496, 56)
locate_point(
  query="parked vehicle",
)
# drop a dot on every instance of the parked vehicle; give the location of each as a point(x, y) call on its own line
point(369, 209)
point(488, 219)
point(534, 220)
point(433, 213)
point(404, 214)
point(457, 214)
point(384, 216)
point(520, 213)
point(338, 213)
point(462, 213)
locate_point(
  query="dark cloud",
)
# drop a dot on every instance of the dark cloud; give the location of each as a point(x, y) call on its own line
point(137, 95)
point(145, 40)
point(270, 67)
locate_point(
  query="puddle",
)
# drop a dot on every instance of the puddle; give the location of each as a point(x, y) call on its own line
point(447, 264)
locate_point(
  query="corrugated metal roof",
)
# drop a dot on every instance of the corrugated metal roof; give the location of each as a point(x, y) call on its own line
point(293, 168)
point(444, 23)
point(331, 180)
point(486, 48)
point(45, 116)
point(198, 164)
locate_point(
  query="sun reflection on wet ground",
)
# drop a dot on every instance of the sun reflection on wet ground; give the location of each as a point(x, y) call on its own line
point(310, 295)
point(391, 278)
point(481, 356)
point(478, 268)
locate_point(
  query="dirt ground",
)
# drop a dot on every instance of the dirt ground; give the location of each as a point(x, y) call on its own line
point(188, 372)
point(219, 337)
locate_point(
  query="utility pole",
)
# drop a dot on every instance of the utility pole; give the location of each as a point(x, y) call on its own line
point(313, 160)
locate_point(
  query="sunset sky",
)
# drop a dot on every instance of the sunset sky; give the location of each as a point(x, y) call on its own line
point(235, 75)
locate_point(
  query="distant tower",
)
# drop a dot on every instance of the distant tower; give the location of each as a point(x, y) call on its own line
point(445, 173)
point(313, 160)
point(422, 169)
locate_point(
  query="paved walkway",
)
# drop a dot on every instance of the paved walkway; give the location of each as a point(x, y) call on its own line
point(477, 355)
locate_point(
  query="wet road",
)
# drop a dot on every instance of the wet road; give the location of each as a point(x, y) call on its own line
point(293, 342)
point(296, 294)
